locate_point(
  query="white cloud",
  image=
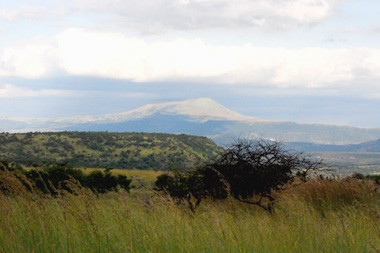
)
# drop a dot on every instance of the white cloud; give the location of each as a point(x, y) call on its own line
point(30, 59)
point(199, 14)
point(112, 55)
point(22, 12)
point(12, 91)
point(3, 31)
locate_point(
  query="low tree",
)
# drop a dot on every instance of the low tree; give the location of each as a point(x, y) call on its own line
point(256, 168)
point(247, 170)
point(102, 182)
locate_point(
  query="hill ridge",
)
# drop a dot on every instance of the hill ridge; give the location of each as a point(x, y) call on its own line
point(153, 151)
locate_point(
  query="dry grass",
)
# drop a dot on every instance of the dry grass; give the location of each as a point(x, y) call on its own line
point(334, 193)
point(121, 222)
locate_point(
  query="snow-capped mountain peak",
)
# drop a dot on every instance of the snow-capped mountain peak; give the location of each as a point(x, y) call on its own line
point(200, 109)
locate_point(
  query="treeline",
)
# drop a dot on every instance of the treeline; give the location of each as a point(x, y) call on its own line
point(143, 151)
point(58, 178)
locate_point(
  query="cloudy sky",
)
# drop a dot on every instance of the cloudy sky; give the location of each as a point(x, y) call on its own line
point(310, 61)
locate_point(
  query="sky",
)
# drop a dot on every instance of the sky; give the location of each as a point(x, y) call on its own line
point(308, 61)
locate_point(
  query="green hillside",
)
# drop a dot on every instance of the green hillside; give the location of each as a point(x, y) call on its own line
point(102, 149)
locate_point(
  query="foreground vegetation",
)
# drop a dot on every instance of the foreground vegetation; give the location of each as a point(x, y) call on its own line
point(317, 216)
point(255, 197)
point(313, 215)
point(59, 177)
point(144, 151)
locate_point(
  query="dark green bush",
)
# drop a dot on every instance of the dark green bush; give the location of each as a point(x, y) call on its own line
point(101, 182)
point(62, 177)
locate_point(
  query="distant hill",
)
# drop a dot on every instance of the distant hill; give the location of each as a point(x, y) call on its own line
point(102, 149)
point(202, 116)
point(370, 146)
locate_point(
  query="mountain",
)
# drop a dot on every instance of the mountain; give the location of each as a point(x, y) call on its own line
point(202, 116)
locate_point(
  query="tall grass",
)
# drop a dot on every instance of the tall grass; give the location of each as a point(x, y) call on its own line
point(335, 193)
point(121, 222)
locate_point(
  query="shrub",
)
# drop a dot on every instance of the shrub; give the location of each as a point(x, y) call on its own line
point(101, 182)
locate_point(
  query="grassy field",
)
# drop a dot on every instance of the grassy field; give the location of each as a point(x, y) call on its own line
point(318, 216)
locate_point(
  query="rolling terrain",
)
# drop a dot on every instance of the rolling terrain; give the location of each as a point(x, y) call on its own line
point(101, 149)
